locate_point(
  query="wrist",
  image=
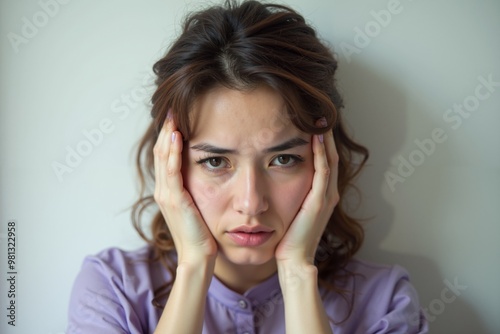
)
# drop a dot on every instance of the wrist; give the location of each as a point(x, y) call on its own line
point(303, 254)
point(196, 265)
point(196, 268)
point(195, 258)
point(189, 275)
point(298, 259)
point(294, 275)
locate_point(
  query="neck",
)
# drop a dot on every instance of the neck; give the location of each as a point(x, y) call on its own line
point(240, 278)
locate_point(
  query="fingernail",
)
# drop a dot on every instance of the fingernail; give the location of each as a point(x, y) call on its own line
point(173, 136)
point(320, 137)
point(322, 122)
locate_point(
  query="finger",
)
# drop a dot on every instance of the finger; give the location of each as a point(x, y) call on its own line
point(331, 149)
point(161, 153)
point(321, 167)
point(172, 171)
point(332, 160)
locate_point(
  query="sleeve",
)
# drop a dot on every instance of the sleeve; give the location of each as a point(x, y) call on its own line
point(98, 304)
point(403, 314)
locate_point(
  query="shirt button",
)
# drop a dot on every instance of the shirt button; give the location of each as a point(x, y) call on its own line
point(242, 303)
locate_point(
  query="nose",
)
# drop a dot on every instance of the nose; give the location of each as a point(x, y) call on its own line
point(250, 193)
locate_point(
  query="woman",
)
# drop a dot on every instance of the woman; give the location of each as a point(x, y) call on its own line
point(250, 163)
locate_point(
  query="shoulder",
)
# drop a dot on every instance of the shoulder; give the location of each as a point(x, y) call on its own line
point(369, 275)
point(129, 272)
point(366, 279)
point(117, 261)
point(118, 267)
point(113, 291)
point(382, 297)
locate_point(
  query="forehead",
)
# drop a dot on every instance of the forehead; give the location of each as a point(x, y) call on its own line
point(232, 115)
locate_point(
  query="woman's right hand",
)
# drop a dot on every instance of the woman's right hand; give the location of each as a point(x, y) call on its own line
point(193, 240)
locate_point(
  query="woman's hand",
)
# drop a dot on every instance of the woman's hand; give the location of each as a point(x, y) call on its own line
point(304, 311)
point(298, 245)
point(192, 238)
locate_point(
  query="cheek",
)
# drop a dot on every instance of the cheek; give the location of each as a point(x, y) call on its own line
point(296, 191)
point(207, 196)
point(204, 194)
point(200, 191)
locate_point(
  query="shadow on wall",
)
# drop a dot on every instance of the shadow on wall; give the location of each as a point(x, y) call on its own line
point(378, 120)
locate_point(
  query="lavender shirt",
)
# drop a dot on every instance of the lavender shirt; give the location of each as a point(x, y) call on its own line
point(113, 293)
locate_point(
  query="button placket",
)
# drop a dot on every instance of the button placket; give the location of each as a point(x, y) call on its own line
point(245, 321)
point(242, 304)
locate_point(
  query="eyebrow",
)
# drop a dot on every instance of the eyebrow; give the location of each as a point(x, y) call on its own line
point(289, 144)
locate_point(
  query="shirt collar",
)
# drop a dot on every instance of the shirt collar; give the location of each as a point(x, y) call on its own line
point(257, 295)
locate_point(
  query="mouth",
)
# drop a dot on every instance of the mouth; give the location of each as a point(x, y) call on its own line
point(247, 236)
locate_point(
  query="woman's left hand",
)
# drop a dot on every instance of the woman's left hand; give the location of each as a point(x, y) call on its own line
point(301, 240)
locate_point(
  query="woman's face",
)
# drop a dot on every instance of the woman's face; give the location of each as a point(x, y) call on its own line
point(248, 169)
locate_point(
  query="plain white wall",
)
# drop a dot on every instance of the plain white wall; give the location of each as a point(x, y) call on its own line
point(86, 64)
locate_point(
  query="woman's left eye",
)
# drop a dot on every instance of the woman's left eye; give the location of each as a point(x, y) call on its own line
point(286, 160)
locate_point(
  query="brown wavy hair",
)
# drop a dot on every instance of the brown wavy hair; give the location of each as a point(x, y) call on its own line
point(242, 46)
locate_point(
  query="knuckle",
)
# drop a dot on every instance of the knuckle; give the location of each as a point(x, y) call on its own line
point(336, 197)
point(335, 158)
point(171, 171)
point(157, 151)
point(325, 171)
point(162, 199)
point(158, 196)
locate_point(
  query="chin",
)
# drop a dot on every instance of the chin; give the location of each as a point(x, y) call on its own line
point(248, 256)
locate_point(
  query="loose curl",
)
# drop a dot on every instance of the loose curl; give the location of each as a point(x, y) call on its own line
point(243, 46)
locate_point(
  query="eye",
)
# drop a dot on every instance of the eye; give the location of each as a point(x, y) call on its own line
point(213, 163)
point(286, 160)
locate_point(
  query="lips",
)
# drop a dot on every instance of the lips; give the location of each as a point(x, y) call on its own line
point(250, 236)
point(251, 229)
